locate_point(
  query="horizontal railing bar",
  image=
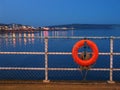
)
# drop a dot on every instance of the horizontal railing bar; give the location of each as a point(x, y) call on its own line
point(63, 69)
point(105, 53)
point(116, 53)
point(58, 37)
point(20, 68)
point(23, 37)
point(116, 69)
point(69, 53)
point(53, 53)
point(70, 69)
point(22, 53)
point(78, 37)
point(99, 69)
point(53, 69)
point(73, 69)
point(60, 53)
point(61, 37)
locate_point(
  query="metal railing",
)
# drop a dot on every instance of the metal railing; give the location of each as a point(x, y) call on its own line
point(46, 53)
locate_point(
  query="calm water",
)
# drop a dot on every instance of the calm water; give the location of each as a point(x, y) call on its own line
point(31, 43)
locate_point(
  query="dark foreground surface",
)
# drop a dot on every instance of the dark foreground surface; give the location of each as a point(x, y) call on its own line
point(62, 85)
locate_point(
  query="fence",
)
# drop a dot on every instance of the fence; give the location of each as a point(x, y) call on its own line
point(46, 53)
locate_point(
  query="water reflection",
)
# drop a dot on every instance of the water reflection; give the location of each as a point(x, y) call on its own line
point(29, 38)
point(46, 34)
point(6, 39)
point(14, 39)
point(20, 38)
point(32, 35)
point(24, 38)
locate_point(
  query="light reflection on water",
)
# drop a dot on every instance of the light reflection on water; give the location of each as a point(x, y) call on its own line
point(27, 41)
point(19, 38)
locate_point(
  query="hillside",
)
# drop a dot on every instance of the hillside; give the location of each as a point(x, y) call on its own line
point(84, 26)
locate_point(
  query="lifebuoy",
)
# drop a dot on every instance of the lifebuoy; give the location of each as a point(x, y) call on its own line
point(91, 60)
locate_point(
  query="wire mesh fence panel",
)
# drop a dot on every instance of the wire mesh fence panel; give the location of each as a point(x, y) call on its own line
point(79, 75)
point(60, 45)
point(116, 76)
point(116, 45)
point(98, 75)
point(116, 65)
point(65, 75)
point(20, 58)
point(116, 61)
point(22, 61)
point(102, 62)
point(61, 61)
point(22, 75)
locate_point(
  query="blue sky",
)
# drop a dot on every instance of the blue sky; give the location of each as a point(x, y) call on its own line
point(52, 12)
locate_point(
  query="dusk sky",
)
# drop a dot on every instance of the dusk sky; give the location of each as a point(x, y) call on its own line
point(55, 12)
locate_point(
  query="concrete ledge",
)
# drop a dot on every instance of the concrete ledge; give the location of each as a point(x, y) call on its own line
point(58, 87)
point(39, 85)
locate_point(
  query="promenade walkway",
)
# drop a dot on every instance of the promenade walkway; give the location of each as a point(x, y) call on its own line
point(38, 85)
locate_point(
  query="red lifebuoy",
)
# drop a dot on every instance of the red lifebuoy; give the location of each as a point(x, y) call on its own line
point(80, 61)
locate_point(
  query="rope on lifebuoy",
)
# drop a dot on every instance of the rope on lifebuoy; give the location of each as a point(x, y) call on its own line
point(89, 60)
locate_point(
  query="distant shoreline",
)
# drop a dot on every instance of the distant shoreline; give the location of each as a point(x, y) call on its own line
point(20, 27)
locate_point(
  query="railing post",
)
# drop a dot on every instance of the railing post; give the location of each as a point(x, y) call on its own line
point(46, 60)
point(111, 60)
